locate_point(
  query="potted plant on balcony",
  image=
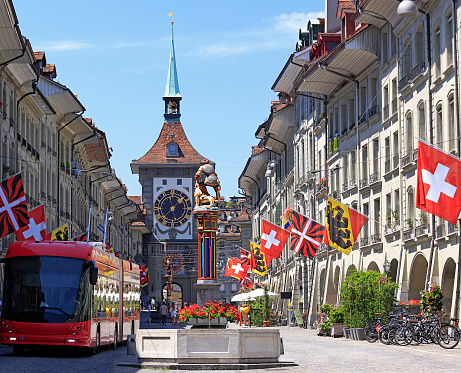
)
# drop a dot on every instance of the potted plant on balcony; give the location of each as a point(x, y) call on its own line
point(423, 217)
point(409, 222)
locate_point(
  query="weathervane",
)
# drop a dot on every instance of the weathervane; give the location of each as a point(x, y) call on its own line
point(171, 14)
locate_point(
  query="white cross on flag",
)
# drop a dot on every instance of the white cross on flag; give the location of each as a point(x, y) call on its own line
point(36, 229)
point(439, 177)
point(13, 205)
point(273, 239)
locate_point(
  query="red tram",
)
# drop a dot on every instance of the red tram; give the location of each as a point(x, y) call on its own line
point(68, 294)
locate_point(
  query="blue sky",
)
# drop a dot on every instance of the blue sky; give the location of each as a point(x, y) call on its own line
point(114, 56)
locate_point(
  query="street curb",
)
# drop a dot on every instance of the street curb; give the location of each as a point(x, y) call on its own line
point(176, 366)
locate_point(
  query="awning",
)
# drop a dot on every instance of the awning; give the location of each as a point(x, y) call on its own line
point(350, 59)
point(378, 12)
point(60, 97)
point(255, 167)
point(279, 128)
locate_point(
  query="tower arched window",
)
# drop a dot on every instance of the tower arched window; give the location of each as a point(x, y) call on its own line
point(172, 149)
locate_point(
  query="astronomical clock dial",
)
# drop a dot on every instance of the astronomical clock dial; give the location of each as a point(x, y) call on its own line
point(172, 208)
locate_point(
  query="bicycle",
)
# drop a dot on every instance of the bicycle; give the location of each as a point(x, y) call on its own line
point(448, 335)
point(371, 329)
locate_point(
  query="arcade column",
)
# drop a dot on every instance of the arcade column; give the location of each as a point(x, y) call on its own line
point(207, 284)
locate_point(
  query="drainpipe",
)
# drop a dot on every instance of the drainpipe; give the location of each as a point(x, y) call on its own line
point(59, 155)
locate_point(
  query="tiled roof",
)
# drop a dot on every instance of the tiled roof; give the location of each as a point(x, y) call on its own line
point(39, 55)
point(49, 68)
point(255, 150)
point(157, 154)
point(136, 199)
point(242, 217)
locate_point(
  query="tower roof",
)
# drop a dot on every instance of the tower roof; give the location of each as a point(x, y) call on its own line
point(172, 84)
point(171, 132)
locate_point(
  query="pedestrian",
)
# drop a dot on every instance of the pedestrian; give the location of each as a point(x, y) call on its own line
point(142, 305)
point(149, 307)
point(244, 314)
point(163, 312)
point(173, 314)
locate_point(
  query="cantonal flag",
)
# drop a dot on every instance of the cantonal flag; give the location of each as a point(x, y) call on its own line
point(81, 238)
point(438, 181)
point(246, 282)
point(306, 235)
point(59, 234)
point(13, 205)
point(244, 256)
point(36, 229)
point(342, 226)
point(258, 262)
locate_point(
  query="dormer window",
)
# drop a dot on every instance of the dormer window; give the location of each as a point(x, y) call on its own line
point(172, 149)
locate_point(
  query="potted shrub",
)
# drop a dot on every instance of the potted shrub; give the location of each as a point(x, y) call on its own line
point(266, 308)
point(409, 222)
point(337, 321)
point(364, 293)
point(324, 323)
point(423, 217)
point(431, 301)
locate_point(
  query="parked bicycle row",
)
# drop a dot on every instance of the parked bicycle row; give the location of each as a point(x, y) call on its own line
point(403, 329)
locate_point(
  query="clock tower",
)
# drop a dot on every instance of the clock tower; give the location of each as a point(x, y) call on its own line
point(166, 173)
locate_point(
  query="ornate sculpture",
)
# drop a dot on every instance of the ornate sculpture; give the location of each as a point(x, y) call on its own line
point(206, 177)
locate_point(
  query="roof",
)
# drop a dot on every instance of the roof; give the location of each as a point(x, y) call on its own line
point(157, 154)
point(39, 55)
point(172, 83)
point(242, 217)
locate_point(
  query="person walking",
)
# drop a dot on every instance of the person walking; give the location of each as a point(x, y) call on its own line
point(163, 312)
point(173, 314)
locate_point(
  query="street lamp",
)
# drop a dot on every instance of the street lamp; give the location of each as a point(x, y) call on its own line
point(407, 8)
point(386, 266)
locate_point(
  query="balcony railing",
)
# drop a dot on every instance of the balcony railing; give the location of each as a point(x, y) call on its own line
point(352, 183)
point(387, 166)
point(363, 183)
point(396, 160)
point(363, 118)
point(415, 155)
point(375, 238)
point(374, 178)
point(364, 241)
point(451, 228)
point(394, 106)
point(440, 230)
point(345, 186)
point(407, 234)
point(42, 195)
point(373, 111)
point(404, 82)
point(406, 159)
point(417, 70)
point(420, 230)
point(43, 145)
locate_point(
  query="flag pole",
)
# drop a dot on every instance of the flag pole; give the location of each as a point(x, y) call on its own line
point(105, 224)
point(89, 225)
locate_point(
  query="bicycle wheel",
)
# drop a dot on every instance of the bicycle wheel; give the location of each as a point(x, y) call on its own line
point(371, 333)
point(383, 335)
point(403, 336)
point(416, 334)
point(448, 336)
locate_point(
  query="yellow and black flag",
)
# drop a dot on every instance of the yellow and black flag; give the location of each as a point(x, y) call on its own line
point(342, 226)
point(258, 262)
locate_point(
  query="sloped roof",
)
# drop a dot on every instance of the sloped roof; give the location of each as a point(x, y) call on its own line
point(157, 154)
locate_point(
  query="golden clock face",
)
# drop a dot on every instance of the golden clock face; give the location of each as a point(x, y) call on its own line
point(172, 208)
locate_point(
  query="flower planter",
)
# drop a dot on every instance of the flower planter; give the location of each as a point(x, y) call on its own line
point(346, 332)
point(219, 322)
point(197, 321)
point(337, 329)
point(267, 323)
point(358, 334)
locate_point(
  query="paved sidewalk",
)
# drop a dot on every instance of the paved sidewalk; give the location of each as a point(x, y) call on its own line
point(325, 354)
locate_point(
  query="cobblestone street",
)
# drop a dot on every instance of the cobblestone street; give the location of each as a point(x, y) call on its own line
point(311, 352)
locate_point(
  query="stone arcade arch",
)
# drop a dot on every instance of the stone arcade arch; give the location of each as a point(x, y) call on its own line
point(323, 273)
point(373, 267)
point(417, 277)
point(393, 270)
point(176, 293)
point(351, 269)
point(448, 282)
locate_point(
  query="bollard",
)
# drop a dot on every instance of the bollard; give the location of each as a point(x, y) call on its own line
point(131, 344)
point(282, 350)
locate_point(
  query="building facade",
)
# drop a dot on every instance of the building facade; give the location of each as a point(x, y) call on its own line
point(362, 93)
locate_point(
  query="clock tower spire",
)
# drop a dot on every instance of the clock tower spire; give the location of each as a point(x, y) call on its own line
point(172, 97)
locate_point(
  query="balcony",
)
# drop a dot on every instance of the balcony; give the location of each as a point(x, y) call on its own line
point(418, 70)
point(415, 155)
point(345, 187)
point(43, 195)
point(363, 183)
point(363, 118)
point(408, 234)
point(451, 228)
point(375, 238)
point(373, 111)
point(374, 178)
point(387, 166)
point(406, 159)
point(365, 241)
point(394, 106)
point(440, 231)
point(29, 148)
point(404, 82)
point(420, 230)
point(49, 149)
point(352, 183)
point(3, 114)
point(43, 145)
point(386, 111)
point(396, 160)
point(336, 195)
point(12, 122)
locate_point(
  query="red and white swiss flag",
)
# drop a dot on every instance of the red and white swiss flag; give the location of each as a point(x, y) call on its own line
point(236, 269)
point(273, 239)
point(36, 229)
point(438, 184)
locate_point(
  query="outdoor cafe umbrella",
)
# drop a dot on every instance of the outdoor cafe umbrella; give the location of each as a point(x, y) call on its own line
point(260, 293)
point(242, 297)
